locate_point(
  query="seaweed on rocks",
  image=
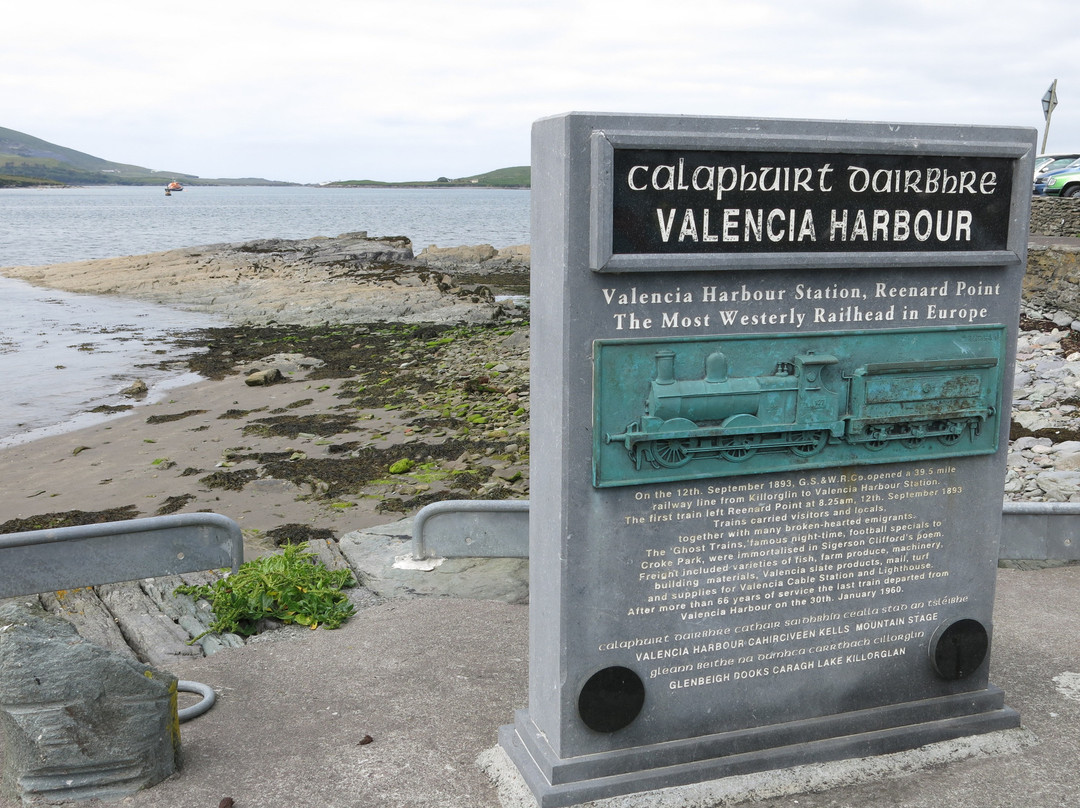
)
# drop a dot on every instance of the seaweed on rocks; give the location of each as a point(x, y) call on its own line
point(1053, 434)
point(164, 419)
point(343, 349)
point(174, 504)
point(51, 521)
point(291, 426)
point(229, 480)
point(293, 533)
point(334, 477)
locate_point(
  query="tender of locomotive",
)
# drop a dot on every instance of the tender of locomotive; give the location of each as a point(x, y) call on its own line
point(805, 404)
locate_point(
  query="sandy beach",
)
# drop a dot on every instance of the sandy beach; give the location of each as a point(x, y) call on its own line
point(368, 422)
point(312, 452)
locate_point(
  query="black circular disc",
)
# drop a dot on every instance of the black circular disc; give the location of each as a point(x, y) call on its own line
point(611, 699)
point(959, 649)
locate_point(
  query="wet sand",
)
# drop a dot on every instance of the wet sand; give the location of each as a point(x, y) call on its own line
point(313, 452)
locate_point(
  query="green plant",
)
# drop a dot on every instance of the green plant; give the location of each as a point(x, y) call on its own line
point(288, 586)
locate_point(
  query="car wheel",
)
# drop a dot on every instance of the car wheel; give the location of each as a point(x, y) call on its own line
point(1072, 191)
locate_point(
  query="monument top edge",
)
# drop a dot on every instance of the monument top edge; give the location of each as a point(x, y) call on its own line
point(806, 127)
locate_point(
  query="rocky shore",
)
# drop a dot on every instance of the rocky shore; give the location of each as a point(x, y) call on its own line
point(359, 383)
point(350, 278)
point(298, 432)
point(1044, 446)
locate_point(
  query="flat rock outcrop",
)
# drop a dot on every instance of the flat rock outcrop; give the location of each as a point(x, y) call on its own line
point(347, 279)
point(479, 258)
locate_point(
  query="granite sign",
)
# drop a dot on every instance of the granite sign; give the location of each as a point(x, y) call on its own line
point(768, 442)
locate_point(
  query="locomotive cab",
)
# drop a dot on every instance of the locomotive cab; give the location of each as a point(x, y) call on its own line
point(816, 403)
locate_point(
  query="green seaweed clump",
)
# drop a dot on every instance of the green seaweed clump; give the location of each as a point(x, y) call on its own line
point(288, 586)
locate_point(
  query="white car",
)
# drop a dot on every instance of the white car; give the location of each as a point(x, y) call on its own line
point(1052, 162)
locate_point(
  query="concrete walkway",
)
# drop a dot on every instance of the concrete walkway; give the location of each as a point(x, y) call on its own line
point(430, 680)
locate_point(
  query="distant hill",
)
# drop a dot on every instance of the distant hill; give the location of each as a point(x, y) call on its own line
point(27, 160)
point(514, 177)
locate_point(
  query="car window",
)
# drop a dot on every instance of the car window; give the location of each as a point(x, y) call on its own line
point(1061, 162)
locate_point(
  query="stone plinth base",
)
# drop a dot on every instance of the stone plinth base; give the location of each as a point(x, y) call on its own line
point(559, 782)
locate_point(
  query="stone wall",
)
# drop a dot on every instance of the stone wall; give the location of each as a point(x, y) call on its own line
point(1052, 280)
point(1053, 216)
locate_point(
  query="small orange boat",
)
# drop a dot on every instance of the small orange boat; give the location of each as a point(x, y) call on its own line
point(174, 186)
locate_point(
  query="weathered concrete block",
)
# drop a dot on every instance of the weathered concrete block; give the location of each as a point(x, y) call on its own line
point(78, 721)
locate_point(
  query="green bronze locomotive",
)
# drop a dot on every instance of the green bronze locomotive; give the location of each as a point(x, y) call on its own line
point(806, 403)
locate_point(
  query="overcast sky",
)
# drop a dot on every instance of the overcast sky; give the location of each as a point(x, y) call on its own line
point(320, 90)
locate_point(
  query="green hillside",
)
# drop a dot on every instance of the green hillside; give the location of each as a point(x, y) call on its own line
point(27, 160)
point(513, 177)
point(28, 157)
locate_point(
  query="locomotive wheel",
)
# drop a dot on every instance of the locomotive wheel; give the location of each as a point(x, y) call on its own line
point(953, 436)
point(878, 439)
point(673, 453)
point(915, 436)
point(809, 443)
point(739, 448)
point(677, 451)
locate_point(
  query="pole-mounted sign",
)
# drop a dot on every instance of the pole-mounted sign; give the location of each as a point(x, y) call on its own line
point(1049, 101)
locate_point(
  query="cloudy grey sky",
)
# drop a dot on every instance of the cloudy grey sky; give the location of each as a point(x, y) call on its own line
point(320, 90)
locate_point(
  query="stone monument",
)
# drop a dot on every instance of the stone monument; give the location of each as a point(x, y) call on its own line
point(769, 425)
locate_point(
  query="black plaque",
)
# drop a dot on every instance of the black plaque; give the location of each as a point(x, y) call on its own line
point(669, 201)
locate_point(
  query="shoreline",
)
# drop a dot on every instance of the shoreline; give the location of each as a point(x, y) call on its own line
point(401, 384)
point(101, 414)
point(317, 281)
point(373, 419)
point(306, 457)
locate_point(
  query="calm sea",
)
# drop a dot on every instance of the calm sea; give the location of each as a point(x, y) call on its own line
point(64, 354)
point(47, 226)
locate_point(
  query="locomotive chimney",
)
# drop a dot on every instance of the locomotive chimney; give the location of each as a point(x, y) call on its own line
point(716, 367)
point(665, 367)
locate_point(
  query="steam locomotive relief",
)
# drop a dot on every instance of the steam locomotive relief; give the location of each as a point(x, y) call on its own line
point(725, 406)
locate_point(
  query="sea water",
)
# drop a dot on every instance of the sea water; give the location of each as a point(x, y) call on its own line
point(48, 226)
point(63, 354)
